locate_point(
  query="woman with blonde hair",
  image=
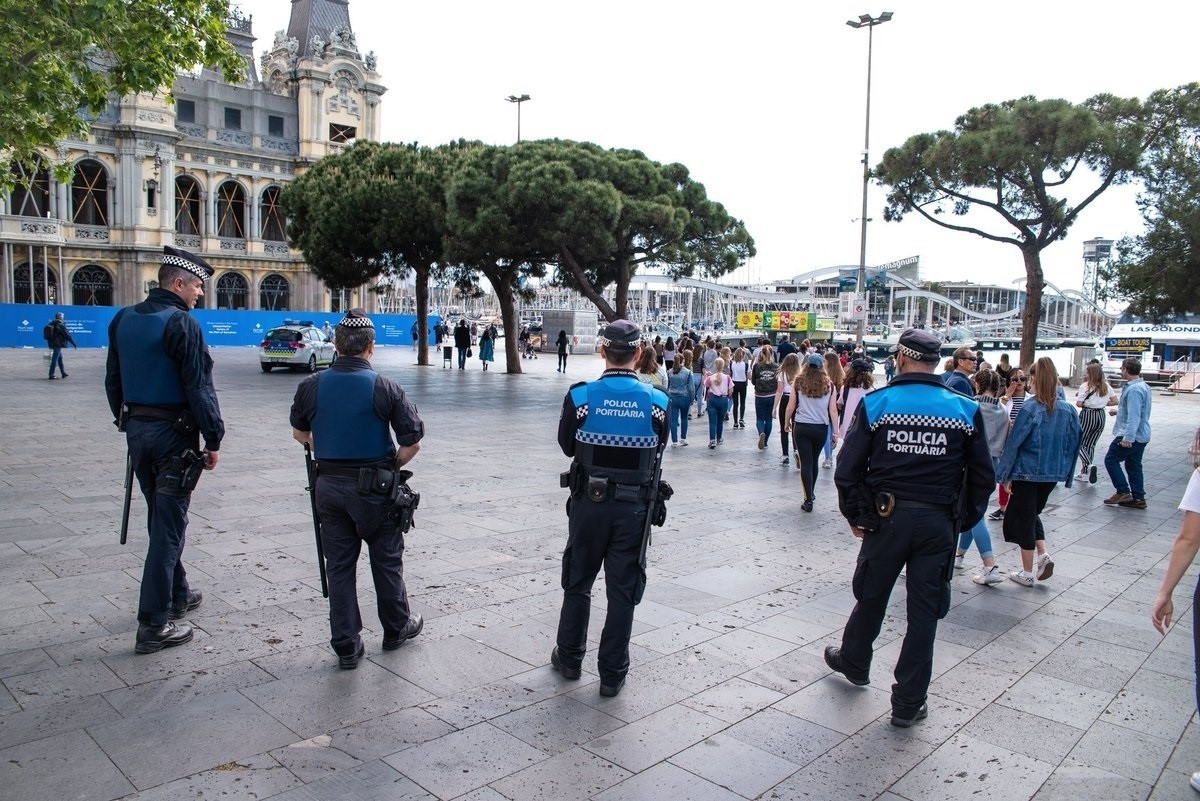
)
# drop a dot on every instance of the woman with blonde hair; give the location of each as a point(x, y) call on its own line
point(837, 376)
point(1093, 396)
point(788, 370)
point(649, 371)
point(1039, 453)
point(680, 391)
point(811, 412)
point(739, 371)
point(719, 387)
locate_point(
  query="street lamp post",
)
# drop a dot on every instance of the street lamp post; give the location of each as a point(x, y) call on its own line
point(518, 100)
point(868, 22)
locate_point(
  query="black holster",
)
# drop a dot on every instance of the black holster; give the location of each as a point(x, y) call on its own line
point(402, 501)
point(178, 475)
point(658, 515)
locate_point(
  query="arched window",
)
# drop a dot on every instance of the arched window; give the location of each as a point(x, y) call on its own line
point(187, 206)
point(31, 195)
point(232, 291)
point(274, 293)
point(231, 211)
point(272, 216)
point(89, 194)
point(35, 291)
point(92, 286)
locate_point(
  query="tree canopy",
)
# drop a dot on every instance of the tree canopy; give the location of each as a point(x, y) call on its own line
point(61, 57)
point(1014, 160)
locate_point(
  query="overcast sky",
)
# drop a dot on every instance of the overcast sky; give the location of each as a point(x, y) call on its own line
point(764, 101)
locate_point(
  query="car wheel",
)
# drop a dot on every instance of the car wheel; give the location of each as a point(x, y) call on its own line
point(266, 368)
point(312, 364)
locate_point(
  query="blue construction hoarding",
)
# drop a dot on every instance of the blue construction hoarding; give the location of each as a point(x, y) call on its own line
point(21, 325)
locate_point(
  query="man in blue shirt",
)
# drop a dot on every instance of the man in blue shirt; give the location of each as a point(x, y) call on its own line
point(959, 379)
point(1131, 433)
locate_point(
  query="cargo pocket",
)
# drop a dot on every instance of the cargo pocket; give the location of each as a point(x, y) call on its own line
point(639, 586)
point(566, 567)
point(947, 576)
point(860, 578)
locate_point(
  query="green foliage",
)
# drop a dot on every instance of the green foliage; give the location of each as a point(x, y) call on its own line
point(59, 58)
point(1015, 159)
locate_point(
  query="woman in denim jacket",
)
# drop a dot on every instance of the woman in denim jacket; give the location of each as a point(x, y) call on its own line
point(1040, 452)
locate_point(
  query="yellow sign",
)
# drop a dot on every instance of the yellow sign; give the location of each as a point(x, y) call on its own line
point(800, 322)
point(749, 319)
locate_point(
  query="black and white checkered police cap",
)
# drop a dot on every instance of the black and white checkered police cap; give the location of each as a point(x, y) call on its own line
point(188, 261)
point(356, 318)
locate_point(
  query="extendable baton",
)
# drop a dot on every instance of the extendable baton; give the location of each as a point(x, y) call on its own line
point(312, 497)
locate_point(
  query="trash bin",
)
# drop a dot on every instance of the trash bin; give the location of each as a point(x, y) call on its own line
point(447, 355)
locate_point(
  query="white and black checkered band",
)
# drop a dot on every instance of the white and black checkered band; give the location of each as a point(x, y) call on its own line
point(357, 322)
point(923, 420)
point(186, 264)
point(917, 355)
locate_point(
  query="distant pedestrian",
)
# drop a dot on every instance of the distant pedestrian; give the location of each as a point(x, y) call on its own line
point(789, 368)
point(1131, 434)
point(487, 348)
point(810, 417)
point(416, 334)
point(562, 343)
point(889, 368)
point(1093, 397)
point(327, 330)
point(680, 391)
point(59, 338)
point(763, 376)
point(719, 388)
point(462, 343)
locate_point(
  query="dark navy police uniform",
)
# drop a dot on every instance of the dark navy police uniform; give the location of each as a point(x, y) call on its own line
point(352, 412)
point(159, 367)
point(912, 439)
point(614, 428)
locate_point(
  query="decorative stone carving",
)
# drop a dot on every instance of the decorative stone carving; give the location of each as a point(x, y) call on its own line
point(189, 242)
point(191, 130)
point(345, 81)
point(371, 61)
point(33, 227)
point(342, 36)
point(275, 249)
point(92, 232)
point(234, 137)
point(151, 116)
point(238, 245)
point(279, 145)
point(224, 162)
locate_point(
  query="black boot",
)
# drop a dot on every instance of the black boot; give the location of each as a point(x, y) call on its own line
point(194, 600)
point(152, 638)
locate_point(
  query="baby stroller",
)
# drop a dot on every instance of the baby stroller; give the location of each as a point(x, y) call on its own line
point(532, 343)
point(527, 351)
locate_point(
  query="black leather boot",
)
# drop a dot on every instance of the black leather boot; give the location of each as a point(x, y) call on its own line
point(151, 638)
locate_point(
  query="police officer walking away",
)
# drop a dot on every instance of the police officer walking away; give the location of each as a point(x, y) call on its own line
point(914, 471)
point(160, 389)
point(615, 428)
point(347, 415)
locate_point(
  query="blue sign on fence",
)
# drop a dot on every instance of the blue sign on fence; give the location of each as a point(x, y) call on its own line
point(21, 324)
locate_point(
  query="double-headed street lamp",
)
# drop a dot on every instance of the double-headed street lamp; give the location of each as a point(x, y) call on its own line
point(868, 22)
point(518, 100)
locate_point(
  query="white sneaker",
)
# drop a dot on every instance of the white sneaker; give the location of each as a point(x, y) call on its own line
point(989, 576)
point(959, 562)
point(827, 464)
point(1195, 782)
point(674, 444)
point(1043, 566)
point(683, 443)
point(1022, 577)
point(712, 444)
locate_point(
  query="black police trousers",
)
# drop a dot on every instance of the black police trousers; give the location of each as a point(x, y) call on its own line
point(164, 581)
point(922, 539)
point(350, 517)
point(608, 534)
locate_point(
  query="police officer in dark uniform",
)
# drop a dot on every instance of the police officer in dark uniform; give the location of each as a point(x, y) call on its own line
point(615, 428)
point(160, 389)
point(348, 415)
point(914, 470)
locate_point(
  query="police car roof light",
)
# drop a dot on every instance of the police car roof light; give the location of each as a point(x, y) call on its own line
point(298, 322)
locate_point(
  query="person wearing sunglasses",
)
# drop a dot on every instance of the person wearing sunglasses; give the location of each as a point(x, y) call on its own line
point(959, 378)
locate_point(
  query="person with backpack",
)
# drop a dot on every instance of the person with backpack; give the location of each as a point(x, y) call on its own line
point(763, 377)
point(57, 337)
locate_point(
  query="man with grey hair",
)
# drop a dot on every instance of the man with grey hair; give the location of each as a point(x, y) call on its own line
point(59, 337)
point(1131, 434)
point(347, 415)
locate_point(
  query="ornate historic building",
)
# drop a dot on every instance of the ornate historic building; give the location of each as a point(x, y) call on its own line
point(203, 173)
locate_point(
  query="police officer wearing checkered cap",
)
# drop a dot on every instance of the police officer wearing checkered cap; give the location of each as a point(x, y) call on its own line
point(348, 416)
point(914, 470)
point(614, 428)
point(160, 389)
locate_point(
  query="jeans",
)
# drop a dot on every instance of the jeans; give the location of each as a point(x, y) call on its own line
point(677, 414)
point(718, 407)
point(980, 536)
point(1132, 457)
point(56, 358)
point(699, 395)
point(828, 442)
point(462, 358)
point(762, 414)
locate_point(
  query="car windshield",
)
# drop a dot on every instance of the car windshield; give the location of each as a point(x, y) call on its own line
point(284, 335)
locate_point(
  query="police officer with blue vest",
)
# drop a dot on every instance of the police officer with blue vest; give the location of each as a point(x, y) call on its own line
point(615, 428)
point(160, 389)
point(348, 415)
point(914, 470)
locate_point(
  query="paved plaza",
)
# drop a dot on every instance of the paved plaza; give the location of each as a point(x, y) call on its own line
point(1060, 691)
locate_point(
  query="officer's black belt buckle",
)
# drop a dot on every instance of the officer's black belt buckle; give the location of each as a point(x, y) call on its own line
point(180, 419)
point(597, 488)
point(885, 504)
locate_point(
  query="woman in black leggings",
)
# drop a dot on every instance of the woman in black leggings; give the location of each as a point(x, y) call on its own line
point(788, 370)
point(810, 415)
point(1093, 396)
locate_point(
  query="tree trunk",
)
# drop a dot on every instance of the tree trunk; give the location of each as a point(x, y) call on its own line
point(624, 276)
point(508, 315)
point(584, 286)
point(1035, 282)
point(422, 291)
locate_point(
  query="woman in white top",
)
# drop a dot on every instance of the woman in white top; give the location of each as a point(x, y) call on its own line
point(739, 371)
point(719, 387)
point(811, 412)
point(1094, 394)
point(788, 370)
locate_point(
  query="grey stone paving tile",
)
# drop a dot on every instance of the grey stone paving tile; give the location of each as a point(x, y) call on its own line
point(835, 703)
point(557, 724)
point(862, 766)
point(312, 759)
point(318, 701)
point(797, 740)
point(18, 662)
point(1072, 781)
point(639, 745)
point(1173, 786)
point(218, 728)
point(793, 630)
point(1185, 758)
point(464, 760)
point(444, 667)
point(1023, 732)
point(528, 641)
point(726, 582)
point(694, 669)
point(682, 598)
point(789, 672)
point(660, 614)
point(674, 636)
point(733, 700)
point(569, 775)
point(747, 647)
point(254, 777)
point(666, 781)
point(1093, 663)
point(382, 736)
point(202, 653)
point(965, 768)
point(46, 721)
point(20, 593)
point(643, 695)
point(38, 635)
point(1063, 701)
point(734, 765)
point(165, 693)
point(371, 781)
point(1115, 749)
point(59, 684)
point(68, 765)
point(1153, 704)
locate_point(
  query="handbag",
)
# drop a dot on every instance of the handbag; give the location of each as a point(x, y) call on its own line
point(470, 352)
